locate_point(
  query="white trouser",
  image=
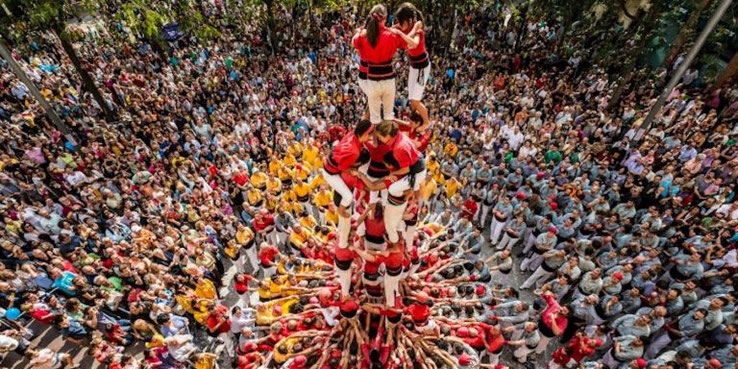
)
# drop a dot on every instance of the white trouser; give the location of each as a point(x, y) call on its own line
point(539, 277)
point(344, 277)
point(495, 230)
point(521, 353)
point(271, 237)
point(409, 234)
point(398, 188)
point(227, 345)
point(391, 288)
point(269, 272)
point(553, 365)
point(507, 242)
point(344, 228)
point(393, 219)
point(238, 263)
point(483, 214)
point(338, 185)
point(416, 80)
point(375, 196)
point(380, 96)
point(253, 257)
point(493, 359)
point(245, 299)
point(543, 344)
point(282, 239)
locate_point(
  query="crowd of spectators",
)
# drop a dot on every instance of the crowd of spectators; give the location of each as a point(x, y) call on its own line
point(126, 234)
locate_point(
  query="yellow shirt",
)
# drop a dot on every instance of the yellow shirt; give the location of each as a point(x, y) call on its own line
point(244, 236)
point(297, 239)
point(259, 179)
point(274, 185)
point(316, 182)
point(254, 197)
point(267, 317)
point(323, 198)
point(205, 289)
point(294, 207)
point(433, 166)
point(311, 154)
point(289, 160)
point(452, 186)
point(427, 189)
point(295, 149)
point(274, 166)
point(271, 204)
point(302, 191)
point(438, 177)
point(284, 173)
point(185, 301)
point(307, 222)
point(202, 311)
point(302, 171)
point(287, 342)
point(331, 217)
point(451, 149)
point(205, 361)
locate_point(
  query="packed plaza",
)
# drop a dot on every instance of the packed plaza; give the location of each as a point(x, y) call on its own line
point(358, 198)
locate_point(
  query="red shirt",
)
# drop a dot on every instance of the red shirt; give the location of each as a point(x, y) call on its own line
point(470, 208)
point(343, 254)
point(495, 342)
point(551, 315)
point(420, 49)
point(343, 155)
point(216, 316)
point(383, 51)
point(242, 287)
point(403, 153)
point(263, 223)
point(579, 351)
point(376, 154)
point(371, 267)
point(267, 255)
point(336, 132)
point(240, 178)
point(394, 260)
point(374, 230)
point(352, 181)
point(419, 312)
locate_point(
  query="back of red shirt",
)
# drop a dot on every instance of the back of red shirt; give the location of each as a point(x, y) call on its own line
point(384, 50)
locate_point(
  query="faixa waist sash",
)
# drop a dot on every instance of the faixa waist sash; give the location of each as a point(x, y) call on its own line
point(419, 61)
point(379, 71)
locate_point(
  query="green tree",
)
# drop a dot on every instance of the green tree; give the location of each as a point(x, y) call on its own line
point(687, 30)
point(53, 15)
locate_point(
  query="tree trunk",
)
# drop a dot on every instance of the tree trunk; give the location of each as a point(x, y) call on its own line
point(294, 19)
point(87, 82)
point(729, 72)
point(686, 32)
point(270, 24)
point(450, 35)
point(642, 26)
point(21, 75)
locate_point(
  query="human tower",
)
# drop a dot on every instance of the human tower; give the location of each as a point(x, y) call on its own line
point(383, 311)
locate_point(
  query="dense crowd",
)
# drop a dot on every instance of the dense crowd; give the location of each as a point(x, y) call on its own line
point(213, 181)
